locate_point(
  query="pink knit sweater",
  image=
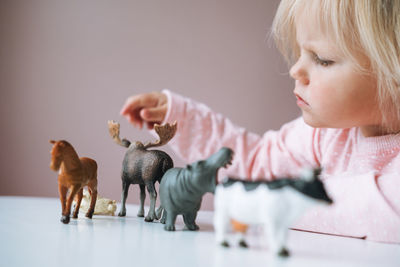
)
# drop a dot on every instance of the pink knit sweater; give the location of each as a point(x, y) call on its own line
point(360, 174)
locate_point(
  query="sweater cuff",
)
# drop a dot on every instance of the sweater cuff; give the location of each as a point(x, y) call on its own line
point(176, 106)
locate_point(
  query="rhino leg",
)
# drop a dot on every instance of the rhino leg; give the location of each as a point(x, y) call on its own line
point(170, 221)
point(189, 220)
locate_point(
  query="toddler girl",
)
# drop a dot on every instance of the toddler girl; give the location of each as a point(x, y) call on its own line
point(345, 59)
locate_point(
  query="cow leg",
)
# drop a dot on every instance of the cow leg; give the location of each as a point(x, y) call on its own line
point(151, 215)
point(170, 221)
point(221, 226)
point(78, 203)
point(277, 236)
point(159, 212)
point(189, 220)
point(142, 198)
point(124, 195)
point(164, 217)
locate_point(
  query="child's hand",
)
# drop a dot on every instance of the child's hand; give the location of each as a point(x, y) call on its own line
point(149, 108)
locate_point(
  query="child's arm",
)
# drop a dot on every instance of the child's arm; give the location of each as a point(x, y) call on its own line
point(201, 132)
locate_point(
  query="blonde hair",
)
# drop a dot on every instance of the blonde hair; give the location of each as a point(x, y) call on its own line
point(371, 27)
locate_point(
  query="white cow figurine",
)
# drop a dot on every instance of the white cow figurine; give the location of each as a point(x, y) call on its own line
point(273, 204)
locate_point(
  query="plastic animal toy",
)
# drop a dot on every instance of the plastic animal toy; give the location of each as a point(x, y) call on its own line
point(182, 189)
point(273, 204)
point(104, 206)
point(142, 166)
point(74, 174)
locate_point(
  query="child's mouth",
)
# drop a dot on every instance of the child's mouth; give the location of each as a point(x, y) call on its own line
point(300, 101)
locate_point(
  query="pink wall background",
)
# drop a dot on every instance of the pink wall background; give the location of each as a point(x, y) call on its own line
point(67, 67)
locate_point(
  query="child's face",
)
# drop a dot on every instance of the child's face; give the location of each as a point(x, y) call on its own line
point(329, 89)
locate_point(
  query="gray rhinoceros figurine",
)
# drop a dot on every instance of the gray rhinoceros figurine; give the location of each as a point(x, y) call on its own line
point(181, 189)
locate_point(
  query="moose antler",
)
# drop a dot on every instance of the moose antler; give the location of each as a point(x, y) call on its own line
point(165, 133)
point(113, 128)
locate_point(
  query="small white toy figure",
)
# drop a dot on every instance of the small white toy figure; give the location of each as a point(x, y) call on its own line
point(104, 206)
point(273, 204)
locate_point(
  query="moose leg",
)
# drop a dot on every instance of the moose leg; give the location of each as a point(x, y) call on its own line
point(62, 190)
point(151, 215)
point(93, 199)
point(66, 216)
point(78, 203)
point(142, 198)
point(189, 220)
point(170, 221)
point(125, 189)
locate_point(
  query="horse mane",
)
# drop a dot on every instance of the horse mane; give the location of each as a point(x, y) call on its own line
point(70, 157)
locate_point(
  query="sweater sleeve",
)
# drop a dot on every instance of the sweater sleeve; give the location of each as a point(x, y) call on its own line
point(201, 132)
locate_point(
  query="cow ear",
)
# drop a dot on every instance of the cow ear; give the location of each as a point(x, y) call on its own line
point(52, 142)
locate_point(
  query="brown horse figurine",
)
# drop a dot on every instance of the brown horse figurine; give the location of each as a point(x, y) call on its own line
point(74, 174)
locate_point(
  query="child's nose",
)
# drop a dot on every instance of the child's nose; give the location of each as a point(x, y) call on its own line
point(298, 72)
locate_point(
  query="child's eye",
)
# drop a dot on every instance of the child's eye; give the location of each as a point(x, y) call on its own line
point(322, 62)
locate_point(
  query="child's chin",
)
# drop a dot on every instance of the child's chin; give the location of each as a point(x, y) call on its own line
point(311, 121)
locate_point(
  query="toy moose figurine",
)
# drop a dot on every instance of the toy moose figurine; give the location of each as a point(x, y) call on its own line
point(74, 174)
point(142, 166)
point(273, 204)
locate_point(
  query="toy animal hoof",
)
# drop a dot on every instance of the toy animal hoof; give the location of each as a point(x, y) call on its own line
point(148, 219)
point(65, 219)
point(89, 215)
point(169, 227)
point(283, 253)
point(192, 227)
point(75, 216)
point(121, 214)
point(140, 214)
point(243, 244)
point(225, 244)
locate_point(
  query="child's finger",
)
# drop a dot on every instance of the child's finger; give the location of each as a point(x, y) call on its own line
point(153, 114)
point(135, 103)
point(130, 104)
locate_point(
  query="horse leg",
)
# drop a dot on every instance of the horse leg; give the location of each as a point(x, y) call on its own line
point(78, 203)
point(151, 215)
point(65, 218)
point(190, 221)
point(62, 190)
point(142, 198)
point(93, 199)
point(125, 189)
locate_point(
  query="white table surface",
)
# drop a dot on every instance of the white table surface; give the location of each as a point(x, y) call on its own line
point(31, 234)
